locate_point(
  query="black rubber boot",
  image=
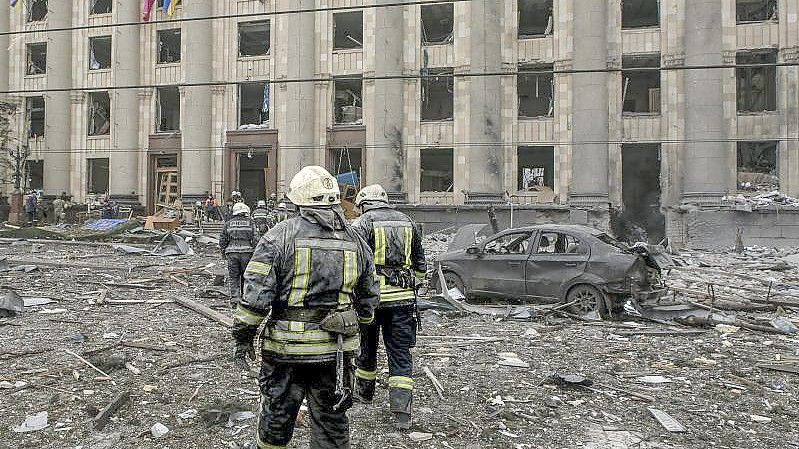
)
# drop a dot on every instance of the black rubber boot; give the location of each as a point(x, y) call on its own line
point(401, 404)
point(364, 391)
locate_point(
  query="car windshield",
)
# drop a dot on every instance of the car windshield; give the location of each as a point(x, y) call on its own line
point(604, 238)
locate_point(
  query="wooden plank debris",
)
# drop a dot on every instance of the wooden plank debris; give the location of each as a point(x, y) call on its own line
point(666, 420)
point(434, 380)
point(205, 311)
point(90, 365)
point(102, 418)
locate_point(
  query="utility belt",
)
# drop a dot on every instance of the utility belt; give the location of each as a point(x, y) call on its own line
point(397, 276)
point(339, 322)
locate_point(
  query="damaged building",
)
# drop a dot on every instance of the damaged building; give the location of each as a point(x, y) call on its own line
point(590, 113)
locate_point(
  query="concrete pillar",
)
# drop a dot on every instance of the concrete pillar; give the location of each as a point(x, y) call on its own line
point(58, 115)
point(196, 115)
point(707, 176)
point(5, 26)
point(296, 49)
point(590, 106)
point(124, 157)
point(484, 130)
point(385, 154)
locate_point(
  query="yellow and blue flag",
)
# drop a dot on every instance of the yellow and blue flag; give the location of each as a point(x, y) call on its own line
point(14, 3)
point(169, 6)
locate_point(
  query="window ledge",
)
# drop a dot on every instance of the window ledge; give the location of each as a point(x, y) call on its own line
point(255, 58)
point(38, 75)
point(99, 137)
point(167, 64)
point(640, 114)
point(338, 126)
point(100, 16)
point(538, 118)
point(757, 113)
point(435, 44)
point(642, 28)
point(759, 22)
point(535, 37)
point(167, 133)
point(338, 51)
point(108, 70)
point(443, 120)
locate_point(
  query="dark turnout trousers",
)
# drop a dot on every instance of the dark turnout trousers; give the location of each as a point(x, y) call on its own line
point(236, 265)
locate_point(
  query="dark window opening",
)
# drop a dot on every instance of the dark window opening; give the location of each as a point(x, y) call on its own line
point(36, 58)
point(757, 86)
point(756, 10)
point(168, 46)
point(758, 167)
point(437, 170)
point(101, 7)
point(640, 13)
point(168, 109)
point(34, 174)
point(641, 88)
point(536, 91)
point(438, 23)
point(99, 114)
point(98, 175)
point(36, 10)
point(347, 103)
point(254, 38)
point(100, 53)
point(348, 30)
point(641, 219)
point(346, 164)
point(535, 18)
point(536, 168)
point(438, 94)
point(253, 104)
point(34, 116)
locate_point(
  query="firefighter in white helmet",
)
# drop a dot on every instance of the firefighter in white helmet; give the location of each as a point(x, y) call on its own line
point(237, 241)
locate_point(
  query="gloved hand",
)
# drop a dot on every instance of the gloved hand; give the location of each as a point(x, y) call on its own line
point(244, 350)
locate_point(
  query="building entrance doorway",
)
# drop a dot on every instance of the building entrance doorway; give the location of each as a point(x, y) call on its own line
point(641, 218)
point(166, 180)
point(253, 176)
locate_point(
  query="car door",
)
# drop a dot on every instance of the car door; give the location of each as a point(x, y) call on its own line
point(557, 258)
point(499, 268)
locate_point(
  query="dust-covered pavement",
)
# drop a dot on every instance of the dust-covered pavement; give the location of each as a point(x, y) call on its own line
point(177, 367)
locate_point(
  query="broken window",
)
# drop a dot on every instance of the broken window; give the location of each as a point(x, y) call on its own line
point(536, 168)
point(345, 161)
point(758, 167)
point(757, 86)
point(518, 244)
point(347, 103)
point(100, 53)
point(438, 99)
point(348, 30)
point(168, 109)
point(97, 179)
point(99, 114)
point(36, 58)
point(756, 10)
point(254, 38)
point(101, 7)
point(437, 172)
point(641, 84)
point(34, 116)
point(535, 18)
point(438, 23)
point(640, 13)
point(169, 46)
point(536, 91)
point(34, 174)
point(253, 104)
point(36, 10)
point(559, 243)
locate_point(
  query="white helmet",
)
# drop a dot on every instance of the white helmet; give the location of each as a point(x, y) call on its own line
point(282, 206)
point(374, 192)
point(314, 186)
point(261, 203)
point(241, 209)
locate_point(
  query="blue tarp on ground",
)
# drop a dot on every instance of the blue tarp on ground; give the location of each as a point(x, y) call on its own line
point(104, 224)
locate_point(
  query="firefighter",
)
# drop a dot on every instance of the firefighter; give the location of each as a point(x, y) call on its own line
point(279, 214)
point(400, 263)
point(316, 277)
point(261, 217)
point(237, 241)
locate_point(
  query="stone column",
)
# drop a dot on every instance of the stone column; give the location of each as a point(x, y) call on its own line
point(590, 106)
point(706, 173)
point(5, 26)
point(196, 115)
point(124, 158)
point(58, 113)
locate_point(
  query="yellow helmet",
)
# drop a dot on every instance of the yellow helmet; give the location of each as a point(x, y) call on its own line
point(374, 192)
point(314, 186)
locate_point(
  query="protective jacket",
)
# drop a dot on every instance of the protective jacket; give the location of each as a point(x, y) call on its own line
point(260, 215)
point(303, 269)
point(398, 252)
point(239, 235)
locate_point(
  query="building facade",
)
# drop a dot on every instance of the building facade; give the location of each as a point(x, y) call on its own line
point(644, 111)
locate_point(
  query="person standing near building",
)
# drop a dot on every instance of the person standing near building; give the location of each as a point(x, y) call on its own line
point(261, 217)
point(58, 208)
point(31, 204)
point(400, 263)
point(237, 241)
point(279, 214)
point(315, 276)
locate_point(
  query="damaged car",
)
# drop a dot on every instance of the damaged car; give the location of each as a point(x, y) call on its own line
point(556, 264)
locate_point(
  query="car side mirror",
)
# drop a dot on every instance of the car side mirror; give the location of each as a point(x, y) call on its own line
point(473, 250)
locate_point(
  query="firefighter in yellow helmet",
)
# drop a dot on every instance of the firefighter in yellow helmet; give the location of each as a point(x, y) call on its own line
point(316, 277)
point(400, 263)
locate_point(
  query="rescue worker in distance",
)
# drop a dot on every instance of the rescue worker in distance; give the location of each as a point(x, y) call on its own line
point(260, 216)
point(400, 263)
point(237, 241)
point(278, 215)
point(316, 276)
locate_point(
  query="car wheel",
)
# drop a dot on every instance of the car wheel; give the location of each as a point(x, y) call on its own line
point(454, 281)
point(588, 299)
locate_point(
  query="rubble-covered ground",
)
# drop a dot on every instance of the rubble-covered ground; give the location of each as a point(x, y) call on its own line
point(176, 365)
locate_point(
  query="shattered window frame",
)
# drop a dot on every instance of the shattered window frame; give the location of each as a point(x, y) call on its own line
point(529, 10)
point(161, 119)
point(34, 174)
point(431, 12)
point(343, 38)
point(631, 21)
point(98, 175)
point(753, 11)
point(752, 99)
point(104, 44)
point(99, 113)
point(38, 65)
point(35, 116)
point(345, 97)
point(99, 7)
point(641, 71)
point(35, 10)
point(531, 157)
point(245, 111)
point(542, 84)
point(431, 182)
point(164, 55)
point(248, 30)
point(758, 166)
point(442, 79)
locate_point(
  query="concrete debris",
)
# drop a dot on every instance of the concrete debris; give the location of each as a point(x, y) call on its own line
point(511, 359)
point(32, 302)
point(656, 380)
point(158, 430)
point(11, 304)
point(764, 200)
point(418, 437)
point(760, 419)
point(667, 421)
point(32, 423)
